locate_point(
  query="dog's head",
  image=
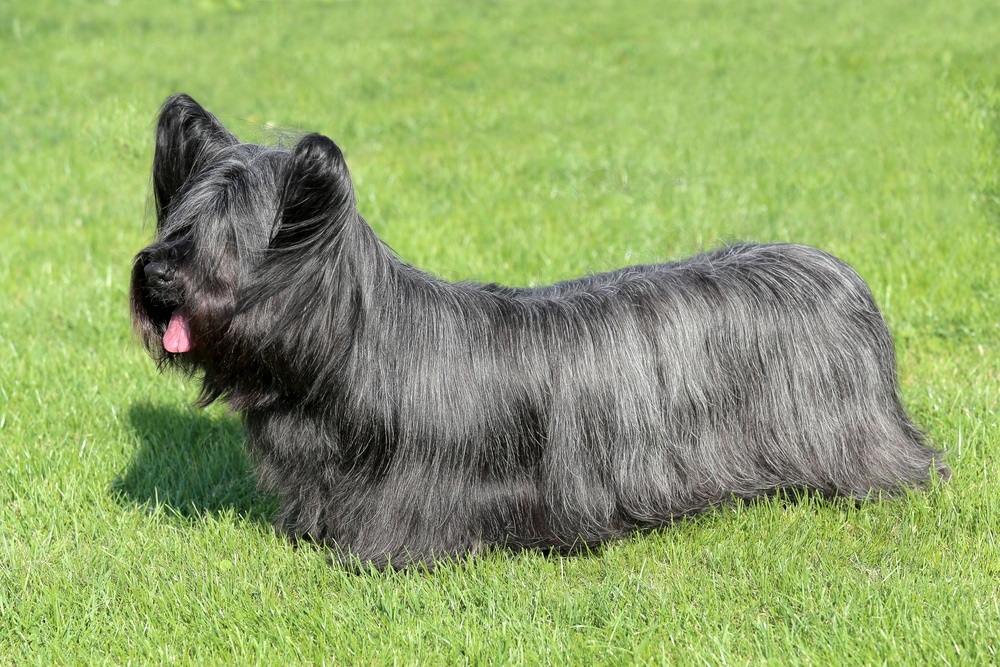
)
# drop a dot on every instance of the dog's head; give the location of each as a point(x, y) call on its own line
point(233, 222)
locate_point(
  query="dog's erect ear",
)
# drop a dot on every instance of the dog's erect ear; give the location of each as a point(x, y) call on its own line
point(187, 138)
point(317, 195)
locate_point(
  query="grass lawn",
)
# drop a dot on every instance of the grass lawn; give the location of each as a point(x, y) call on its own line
point(521, 142)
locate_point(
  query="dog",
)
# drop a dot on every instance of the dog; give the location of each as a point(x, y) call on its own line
point(401, 419)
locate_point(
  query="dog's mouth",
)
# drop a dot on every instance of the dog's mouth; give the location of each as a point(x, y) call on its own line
point(177, 338)
point(157, 309)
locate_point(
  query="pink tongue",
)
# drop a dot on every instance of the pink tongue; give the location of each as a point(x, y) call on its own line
point(177, 338)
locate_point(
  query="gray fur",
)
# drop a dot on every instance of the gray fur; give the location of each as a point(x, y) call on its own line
point(403, 418)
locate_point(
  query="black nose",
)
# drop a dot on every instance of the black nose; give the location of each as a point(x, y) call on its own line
point(158, 273)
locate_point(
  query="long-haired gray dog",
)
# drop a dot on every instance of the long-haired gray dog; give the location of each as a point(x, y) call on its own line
point(401, 418)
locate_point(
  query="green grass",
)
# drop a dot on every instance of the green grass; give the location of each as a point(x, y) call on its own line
point(521, 142)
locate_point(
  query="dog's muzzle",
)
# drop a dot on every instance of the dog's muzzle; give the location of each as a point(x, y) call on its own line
point(158, 274)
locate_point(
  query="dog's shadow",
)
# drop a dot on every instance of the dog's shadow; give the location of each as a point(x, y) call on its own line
point(191, 464)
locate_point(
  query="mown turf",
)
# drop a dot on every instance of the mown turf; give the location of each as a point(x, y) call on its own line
point(520, 142)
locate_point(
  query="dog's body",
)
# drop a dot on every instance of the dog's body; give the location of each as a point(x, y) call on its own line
point(401, 418)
